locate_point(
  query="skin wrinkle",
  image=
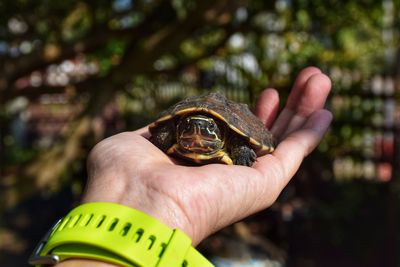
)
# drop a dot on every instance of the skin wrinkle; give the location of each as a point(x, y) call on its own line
point(172, 220)
point(201, 200)
point(202, 208)
point(195, 211)
point(275, 183)
point(248, 192)
point(231, 185)
point(93, 168)
point(209, 180)
point(254, 180)
point(173, 193)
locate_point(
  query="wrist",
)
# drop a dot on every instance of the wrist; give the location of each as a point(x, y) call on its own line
point(154, 204)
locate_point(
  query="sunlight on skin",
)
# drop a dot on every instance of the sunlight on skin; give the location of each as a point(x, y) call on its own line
point(128, 169)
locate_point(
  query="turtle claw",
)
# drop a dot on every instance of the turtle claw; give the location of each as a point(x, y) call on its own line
point(243, 155)
point(244, 162)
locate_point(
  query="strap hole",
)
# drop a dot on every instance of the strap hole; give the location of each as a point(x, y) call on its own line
point(126, 229)
point(64, 223)
point(152, 240)
point(73, 221)
point(113, 224)
point(163, 247)
point(138, 235)
point(90, 217)
point(185, 263)
point(77, 220)
point(102, 218)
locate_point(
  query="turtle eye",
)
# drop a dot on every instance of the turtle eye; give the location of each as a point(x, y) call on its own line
point(211, 126)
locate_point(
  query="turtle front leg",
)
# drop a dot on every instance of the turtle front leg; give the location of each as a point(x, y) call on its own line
point(164, 137)
point(241, 153)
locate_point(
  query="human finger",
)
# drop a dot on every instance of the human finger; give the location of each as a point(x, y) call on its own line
point(267, 106)
point(287, 113)
point(282, 164)
point(313, 98)
point(299, 86)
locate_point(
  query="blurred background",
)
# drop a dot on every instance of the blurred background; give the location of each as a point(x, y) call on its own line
point(75, 72)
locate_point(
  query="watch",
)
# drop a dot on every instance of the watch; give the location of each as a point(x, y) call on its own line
point(116, 234)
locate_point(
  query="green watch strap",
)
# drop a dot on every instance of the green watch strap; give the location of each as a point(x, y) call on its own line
point(117, 234)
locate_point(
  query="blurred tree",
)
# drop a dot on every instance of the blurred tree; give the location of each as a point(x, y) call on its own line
point(266, 42)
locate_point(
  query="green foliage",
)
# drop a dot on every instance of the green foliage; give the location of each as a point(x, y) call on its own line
point(77, 23)
point(110, 55)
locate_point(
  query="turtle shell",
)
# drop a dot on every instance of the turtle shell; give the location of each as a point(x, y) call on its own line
point(236, 116)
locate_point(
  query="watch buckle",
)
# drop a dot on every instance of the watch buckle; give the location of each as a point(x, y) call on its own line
point(36, 259)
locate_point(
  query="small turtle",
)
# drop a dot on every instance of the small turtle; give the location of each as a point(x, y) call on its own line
point(211, 129)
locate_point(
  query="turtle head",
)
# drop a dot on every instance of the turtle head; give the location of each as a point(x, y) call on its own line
point(199, 134)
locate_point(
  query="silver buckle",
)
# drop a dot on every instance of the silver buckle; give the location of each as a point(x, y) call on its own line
point(36, 259)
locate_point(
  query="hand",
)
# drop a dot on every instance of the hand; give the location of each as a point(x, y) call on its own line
point(128, 169)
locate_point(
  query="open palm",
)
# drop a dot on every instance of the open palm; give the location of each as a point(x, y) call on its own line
point(128, 169)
